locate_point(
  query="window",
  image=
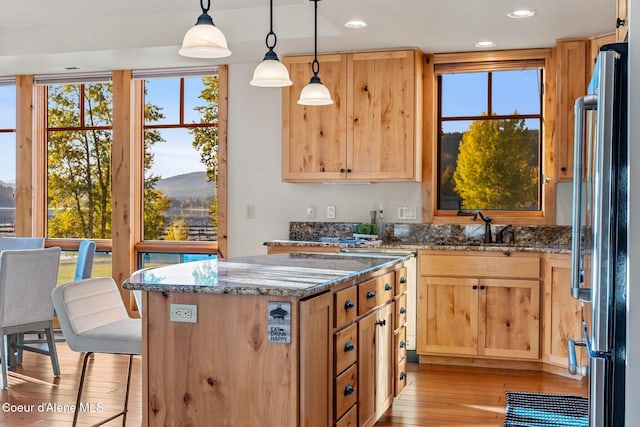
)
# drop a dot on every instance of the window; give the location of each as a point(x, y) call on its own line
point(7, 159)
point(490, 139)
point(181, 158)
point(79, 140)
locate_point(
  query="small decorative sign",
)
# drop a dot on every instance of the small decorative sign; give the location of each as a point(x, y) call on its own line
point(279, 322)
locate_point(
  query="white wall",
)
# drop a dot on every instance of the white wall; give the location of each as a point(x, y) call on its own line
point(254, 165)
point(633, 293)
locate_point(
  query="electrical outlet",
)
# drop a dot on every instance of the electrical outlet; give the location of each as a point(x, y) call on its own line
point(187, 313)
point(311, 212)
point(407, 212)
point(331, 212)
point(251, 211)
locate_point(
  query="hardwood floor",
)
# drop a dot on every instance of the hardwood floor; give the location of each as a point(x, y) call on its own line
point(434, 396)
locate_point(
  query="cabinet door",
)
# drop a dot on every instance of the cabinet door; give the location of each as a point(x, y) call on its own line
point(367, 369)
point(571, 83)
point(448, 315)
point(384, 116)
point(314, 137)
point(562, 314)
point(384, 359)
point(510, 318)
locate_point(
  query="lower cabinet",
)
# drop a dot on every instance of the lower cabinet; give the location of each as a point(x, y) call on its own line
point(563, 315)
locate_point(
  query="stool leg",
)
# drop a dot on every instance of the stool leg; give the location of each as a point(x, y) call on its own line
point(126, 395)
point(85, 359)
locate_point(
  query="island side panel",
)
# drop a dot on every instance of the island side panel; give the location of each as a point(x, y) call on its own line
point(220, 371)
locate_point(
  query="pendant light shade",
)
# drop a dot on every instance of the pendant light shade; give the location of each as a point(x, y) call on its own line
point(204, 40)
point(315, 93)
point(271, 72)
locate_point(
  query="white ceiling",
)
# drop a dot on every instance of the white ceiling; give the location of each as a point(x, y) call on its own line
point(46, 36)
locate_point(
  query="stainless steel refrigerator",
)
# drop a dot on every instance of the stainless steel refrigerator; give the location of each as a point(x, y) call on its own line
point(599, 234)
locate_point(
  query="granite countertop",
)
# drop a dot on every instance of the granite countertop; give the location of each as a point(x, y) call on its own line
point(484, 247)
point(294, 275)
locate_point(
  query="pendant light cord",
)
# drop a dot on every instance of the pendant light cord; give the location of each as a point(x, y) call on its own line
point(315, 66)
point(271, 33)
point(205, 9)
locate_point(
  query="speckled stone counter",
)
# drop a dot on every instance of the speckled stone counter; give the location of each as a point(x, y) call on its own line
point(291, 275)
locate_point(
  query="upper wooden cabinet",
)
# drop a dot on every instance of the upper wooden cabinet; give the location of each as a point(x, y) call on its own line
point(571, 83)
point(372, 132)
point(622, 23)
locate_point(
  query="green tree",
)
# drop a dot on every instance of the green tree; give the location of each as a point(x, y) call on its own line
point(496, 166)
point(179, 230)
point(79, 160)
point(206, 139)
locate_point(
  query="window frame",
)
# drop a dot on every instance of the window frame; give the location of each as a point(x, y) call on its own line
point(488, 61)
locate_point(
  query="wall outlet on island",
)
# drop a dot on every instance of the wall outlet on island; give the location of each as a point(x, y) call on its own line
point(331, 212)
point(311, 212)
point(187, 313)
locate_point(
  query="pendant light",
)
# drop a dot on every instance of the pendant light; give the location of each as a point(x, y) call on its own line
point(204, 40)
point(315, 93)
point(271, 72)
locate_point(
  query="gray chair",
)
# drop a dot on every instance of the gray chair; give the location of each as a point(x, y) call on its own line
point(16, 243)
point(94, 319)
point(26, 280)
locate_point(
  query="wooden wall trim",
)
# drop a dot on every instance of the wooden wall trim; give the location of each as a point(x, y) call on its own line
point(24, 155)
point(223, 113)
point(496, 55)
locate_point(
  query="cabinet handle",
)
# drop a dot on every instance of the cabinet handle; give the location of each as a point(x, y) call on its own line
point(388, 287)
point(403, 344)
point(482, 287)
point(348, 304)
point(348, 170)
point(475, 286)
point(403, 310)
point(402, 376)
point(403, 279)
point(341, 170)
point(349, 390)
point(381, 322)
point(371, 294)
point(349, 347)
point(619, 22)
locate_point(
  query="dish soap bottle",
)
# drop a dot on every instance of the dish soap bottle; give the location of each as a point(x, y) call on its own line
point(380, 223)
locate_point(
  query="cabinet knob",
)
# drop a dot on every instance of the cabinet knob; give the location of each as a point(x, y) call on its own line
point(403, 310)
point(371, 294)
point(349, 347)
point(482, 287)
point(620, 22)
point(563, 169)
point(341, 170)
point(348, 170)
point(381, 322)
point(388, 287)
point(403, 376)
point(475, 287)
point(349, 390)
point(403, 279)
point(348, 304)
point(403, 344)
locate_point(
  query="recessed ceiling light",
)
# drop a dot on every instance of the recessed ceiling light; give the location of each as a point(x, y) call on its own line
point(485, 44)
point(355, 23)
point(521, 13)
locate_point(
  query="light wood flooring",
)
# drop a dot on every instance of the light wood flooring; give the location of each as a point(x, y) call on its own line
point(434, 396)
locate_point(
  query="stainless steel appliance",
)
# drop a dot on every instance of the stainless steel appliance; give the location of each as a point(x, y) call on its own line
point(599, 233)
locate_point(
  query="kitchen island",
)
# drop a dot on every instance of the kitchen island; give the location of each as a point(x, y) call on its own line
point(279, 340)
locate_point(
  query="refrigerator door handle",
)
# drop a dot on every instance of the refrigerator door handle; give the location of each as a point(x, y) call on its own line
point(573, 367)
point(582, 104)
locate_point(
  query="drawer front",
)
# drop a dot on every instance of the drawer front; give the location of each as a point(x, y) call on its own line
point(401, 344)
point(401, 280)
point(401, 310)
point(350, 419)
point(477, 265)
point(345, 306)
point(401, 376)
point(345, 348)
point(346, 391)
point(368, 296)
point(386, 287)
